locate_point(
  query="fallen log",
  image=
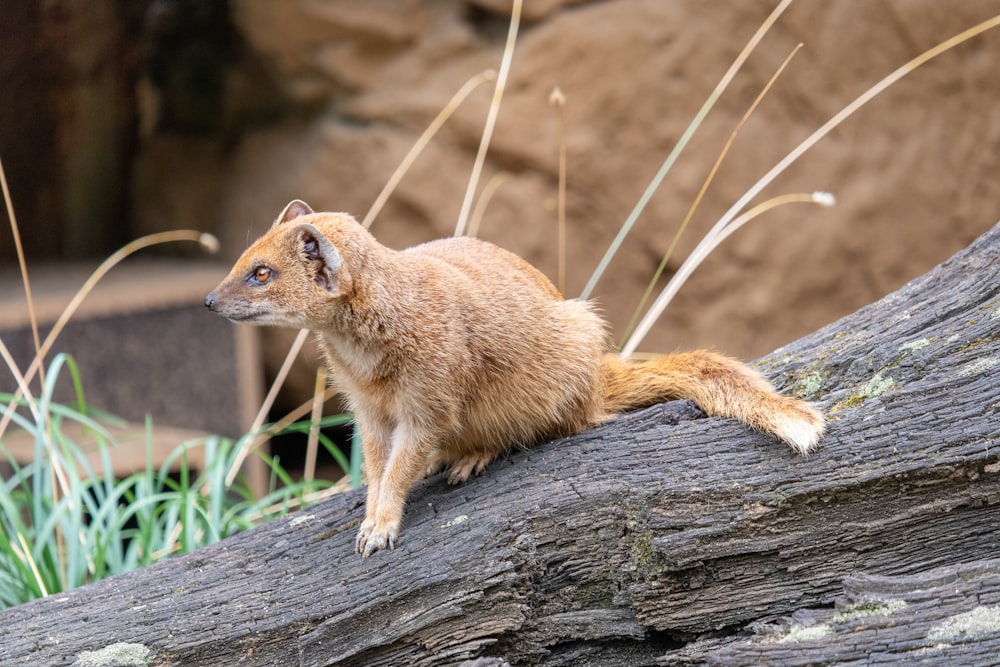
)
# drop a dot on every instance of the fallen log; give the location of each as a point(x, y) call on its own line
point(661, 537)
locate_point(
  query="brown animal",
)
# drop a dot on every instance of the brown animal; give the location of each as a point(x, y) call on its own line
point(452, 352)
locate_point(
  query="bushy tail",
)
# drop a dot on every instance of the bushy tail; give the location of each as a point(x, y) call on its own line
point(720, 386)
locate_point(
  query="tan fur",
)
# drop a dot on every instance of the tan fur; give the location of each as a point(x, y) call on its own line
point(452, 352)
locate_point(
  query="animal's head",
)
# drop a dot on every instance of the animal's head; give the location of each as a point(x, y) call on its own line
point(292, 275)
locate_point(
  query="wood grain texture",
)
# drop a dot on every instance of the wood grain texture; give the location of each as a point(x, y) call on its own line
point(947, 615)
point(662, 537)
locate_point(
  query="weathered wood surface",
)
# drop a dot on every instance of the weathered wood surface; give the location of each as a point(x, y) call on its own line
point(948, 615)
point(663, 537)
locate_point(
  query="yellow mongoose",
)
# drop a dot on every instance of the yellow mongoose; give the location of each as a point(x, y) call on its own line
point(451, 352)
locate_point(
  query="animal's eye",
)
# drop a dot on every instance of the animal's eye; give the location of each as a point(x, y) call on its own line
point(262, 274)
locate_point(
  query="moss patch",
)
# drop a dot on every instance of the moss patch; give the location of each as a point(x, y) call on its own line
point(800, 633)
point(882, 381)
point(642, 550)
point(869, 608)
point(972, 625)
point(809, 385)
point(116, 655)
point(978, 367)
point(915, 345)
point(878, 385)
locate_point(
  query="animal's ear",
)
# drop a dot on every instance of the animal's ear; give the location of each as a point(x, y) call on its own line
point(325, 264)
point(295, 209)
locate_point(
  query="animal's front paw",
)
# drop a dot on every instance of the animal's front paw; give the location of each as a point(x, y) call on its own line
point(371, 538)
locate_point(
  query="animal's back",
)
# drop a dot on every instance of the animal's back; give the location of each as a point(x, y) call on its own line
point(489, 266)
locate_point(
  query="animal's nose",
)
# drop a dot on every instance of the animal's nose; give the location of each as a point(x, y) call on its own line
point(210, 301)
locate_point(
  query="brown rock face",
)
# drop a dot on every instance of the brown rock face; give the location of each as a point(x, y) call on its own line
point(323, 99)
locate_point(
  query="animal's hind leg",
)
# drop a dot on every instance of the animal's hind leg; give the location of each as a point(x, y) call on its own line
point(462, 468)
point(438, 461)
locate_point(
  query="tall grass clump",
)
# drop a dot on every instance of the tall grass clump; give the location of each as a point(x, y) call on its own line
point(66, 520)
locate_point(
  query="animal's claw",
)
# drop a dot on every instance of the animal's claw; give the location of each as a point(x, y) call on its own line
point(370, 539)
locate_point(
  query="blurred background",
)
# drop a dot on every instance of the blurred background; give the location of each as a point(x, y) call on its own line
point(120, 118)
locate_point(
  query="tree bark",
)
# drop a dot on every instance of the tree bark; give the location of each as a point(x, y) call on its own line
point(661, 537)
